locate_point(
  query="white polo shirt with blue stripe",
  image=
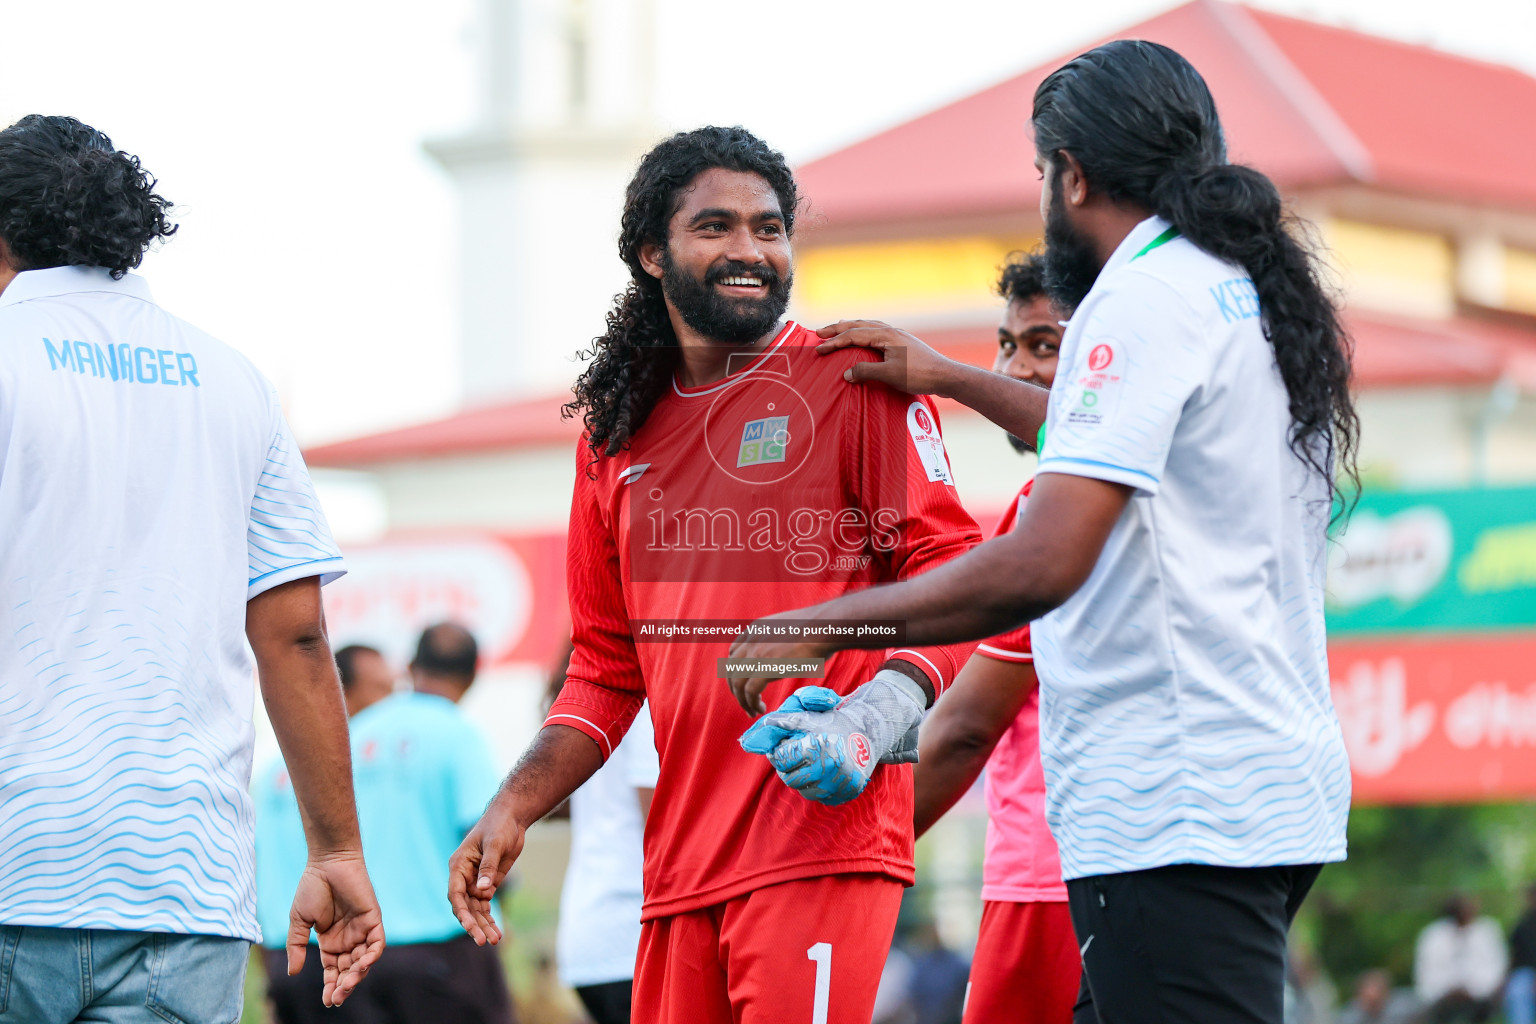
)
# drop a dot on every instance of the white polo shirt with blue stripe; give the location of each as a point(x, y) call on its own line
point(1185, 711)
point(149, 487)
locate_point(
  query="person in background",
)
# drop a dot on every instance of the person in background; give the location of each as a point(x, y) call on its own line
point(156, 516)
point(938, 980)
point(1026, 965)
point(1520, 989)
point(423, 773)
point(1376, 1002)
point(599, 931)
point(893, 999)
point(366, 679)
point(1459, 963)
point(1310, 996)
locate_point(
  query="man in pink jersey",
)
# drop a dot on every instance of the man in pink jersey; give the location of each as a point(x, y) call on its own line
point(1026, 965)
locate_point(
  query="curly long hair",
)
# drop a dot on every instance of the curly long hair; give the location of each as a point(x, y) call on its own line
point(633, 360)
point(68, 197)
point(1142, 123)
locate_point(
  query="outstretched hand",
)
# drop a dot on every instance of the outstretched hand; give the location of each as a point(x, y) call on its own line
point(748, 689)
point(336, 899)
point(479, 866)
point(908, 363)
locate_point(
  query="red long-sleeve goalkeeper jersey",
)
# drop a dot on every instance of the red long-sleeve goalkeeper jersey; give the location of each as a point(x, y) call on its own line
point(777, 487)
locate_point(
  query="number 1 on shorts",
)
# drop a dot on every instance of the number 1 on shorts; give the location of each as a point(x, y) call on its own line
point(822, 954)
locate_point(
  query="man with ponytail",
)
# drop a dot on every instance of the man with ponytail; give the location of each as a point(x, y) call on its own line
point(1200, 432)
point(727, 470)
point(156, 515)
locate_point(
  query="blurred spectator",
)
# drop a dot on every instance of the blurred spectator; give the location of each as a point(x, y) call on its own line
point(893, 1000)
point(938, 977)
point(1309, 993)
point(1520, 990)
point(281, 852)
point(599, 930)
point(1459, 964)
point(1376, 1002)
point(423, 774)
point(366, 677)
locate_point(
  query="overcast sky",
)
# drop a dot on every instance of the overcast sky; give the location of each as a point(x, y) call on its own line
point(318, 238)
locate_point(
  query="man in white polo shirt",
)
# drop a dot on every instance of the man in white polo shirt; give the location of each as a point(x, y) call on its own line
point(1173, 543)
point(156, 514)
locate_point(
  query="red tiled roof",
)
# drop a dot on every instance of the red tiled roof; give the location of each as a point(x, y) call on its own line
point(1308, 104)
point(485, 428)
point(1433, 123)
point(1390, 351)
point(1398, 351)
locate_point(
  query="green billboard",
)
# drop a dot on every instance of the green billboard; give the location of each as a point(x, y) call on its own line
point(1435, 560)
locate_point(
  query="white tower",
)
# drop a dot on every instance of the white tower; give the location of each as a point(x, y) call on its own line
point(565, 111)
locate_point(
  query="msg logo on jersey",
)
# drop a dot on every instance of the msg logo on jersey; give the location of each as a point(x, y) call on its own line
point(763, 441)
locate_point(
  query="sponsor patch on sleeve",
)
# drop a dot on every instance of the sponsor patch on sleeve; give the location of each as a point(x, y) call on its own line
point(1093, 396)
point(930, 446)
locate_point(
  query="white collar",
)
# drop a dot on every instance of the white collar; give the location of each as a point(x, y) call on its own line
point(39, 284)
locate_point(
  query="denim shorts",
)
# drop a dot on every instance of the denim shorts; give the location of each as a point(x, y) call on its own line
point(55, 975)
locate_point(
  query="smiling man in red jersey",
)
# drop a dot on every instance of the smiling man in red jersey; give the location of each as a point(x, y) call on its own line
point(726, 471)
point(1026, 967)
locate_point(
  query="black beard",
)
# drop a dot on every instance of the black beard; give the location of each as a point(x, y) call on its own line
point(1020, 445)
point(732, 321)
point(1071, 264)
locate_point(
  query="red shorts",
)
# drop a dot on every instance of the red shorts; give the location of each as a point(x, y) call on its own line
point(1026, 966)
point(802, 952)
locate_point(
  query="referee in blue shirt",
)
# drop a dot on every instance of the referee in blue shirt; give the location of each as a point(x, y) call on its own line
point(1173, 549)
point(423, 774)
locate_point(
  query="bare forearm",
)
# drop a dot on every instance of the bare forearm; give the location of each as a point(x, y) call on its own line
point(964, 729)
point(554, 766)
point(945, 771)
point(986, 591)
point(303, 698)
point(1015, 405)
point(1002, 583)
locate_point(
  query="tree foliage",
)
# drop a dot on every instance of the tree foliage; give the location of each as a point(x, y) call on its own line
point(1403, 864)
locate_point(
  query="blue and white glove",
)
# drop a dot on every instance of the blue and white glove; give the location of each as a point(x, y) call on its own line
point(827, 747)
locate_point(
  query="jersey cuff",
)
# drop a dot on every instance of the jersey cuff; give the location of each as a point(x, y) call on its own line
point(328, 569)
point(603, 714)
point(1144, 483)
point(938, 663)
point(1003, 654)
point(923, 662)
point(586, 725)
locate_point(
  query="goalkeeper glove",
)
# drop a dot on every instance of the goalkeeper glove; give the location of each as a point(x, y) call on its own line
point(827, 747)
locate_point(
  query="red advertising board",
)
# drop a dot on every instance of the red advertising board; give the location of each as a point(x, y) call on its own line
point(509, 590)
point(1445, 719)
